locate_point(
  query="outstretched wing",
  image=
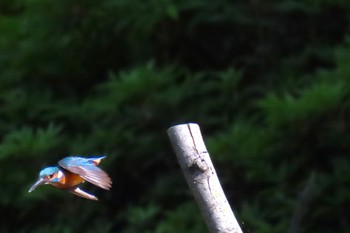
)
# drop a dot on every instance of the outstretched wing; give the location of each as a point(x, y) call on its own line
point(86, 168)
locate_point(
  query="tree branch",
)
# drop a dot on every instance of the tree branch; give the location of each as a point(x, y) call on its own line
point(201, 177)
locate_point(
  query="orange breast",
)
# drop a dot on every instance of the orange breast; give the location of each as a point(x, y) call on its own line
point(68, 180)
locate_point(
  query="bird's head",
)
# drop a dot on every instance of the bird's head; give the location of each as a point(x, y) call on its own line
point(48, 175)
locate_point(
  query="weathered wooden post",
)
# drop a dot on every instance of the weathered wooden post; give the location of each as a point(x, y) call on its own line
point(201, 177)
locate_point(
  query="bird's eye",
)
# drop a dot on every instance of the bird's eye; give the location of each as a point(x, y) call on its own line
point(50, 176)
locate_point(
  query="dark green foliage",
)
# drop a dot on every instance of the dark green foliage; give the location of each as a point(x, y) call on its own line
point(268, 82)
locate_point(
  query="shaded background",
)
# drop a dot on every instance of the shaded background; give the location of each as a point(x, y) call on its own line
point(267, 81)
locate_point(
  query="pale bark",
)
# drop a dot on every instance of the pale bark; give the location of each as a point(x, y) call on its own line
point(201, 177)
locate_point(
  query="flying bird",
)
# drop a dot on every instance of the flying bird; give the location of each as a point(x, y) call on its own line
point(71, 172)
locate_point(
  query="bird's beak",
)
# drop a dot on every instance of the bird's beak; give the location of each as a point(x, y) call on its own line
point(40, 181)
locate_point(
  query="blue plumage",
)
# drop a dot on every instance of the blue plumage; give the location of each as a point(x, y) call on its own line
point(72, 171)
point(48, 171)
point(79, 161)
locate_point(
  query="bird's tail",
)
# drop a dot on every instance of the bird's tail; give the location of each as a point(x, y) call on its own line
point(97, 160)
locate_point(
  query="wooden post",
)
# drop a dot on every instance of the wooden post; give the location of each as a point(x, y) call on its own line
point(201, 177)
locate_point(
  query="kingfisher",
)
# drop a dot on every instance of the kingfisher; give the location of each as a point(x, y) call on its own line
point(71, 172)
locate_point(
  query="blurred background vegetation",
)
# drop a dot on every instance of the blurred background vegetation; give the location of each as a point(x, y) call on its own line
point(267, 81)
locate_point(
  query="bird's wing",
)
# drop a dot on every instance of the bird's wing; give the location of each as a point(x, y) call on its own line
point(86, 168)
point(77, 191)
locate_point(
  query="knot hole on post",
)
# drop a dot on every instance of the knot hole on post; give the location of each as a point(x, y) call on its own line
point(198, 166)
